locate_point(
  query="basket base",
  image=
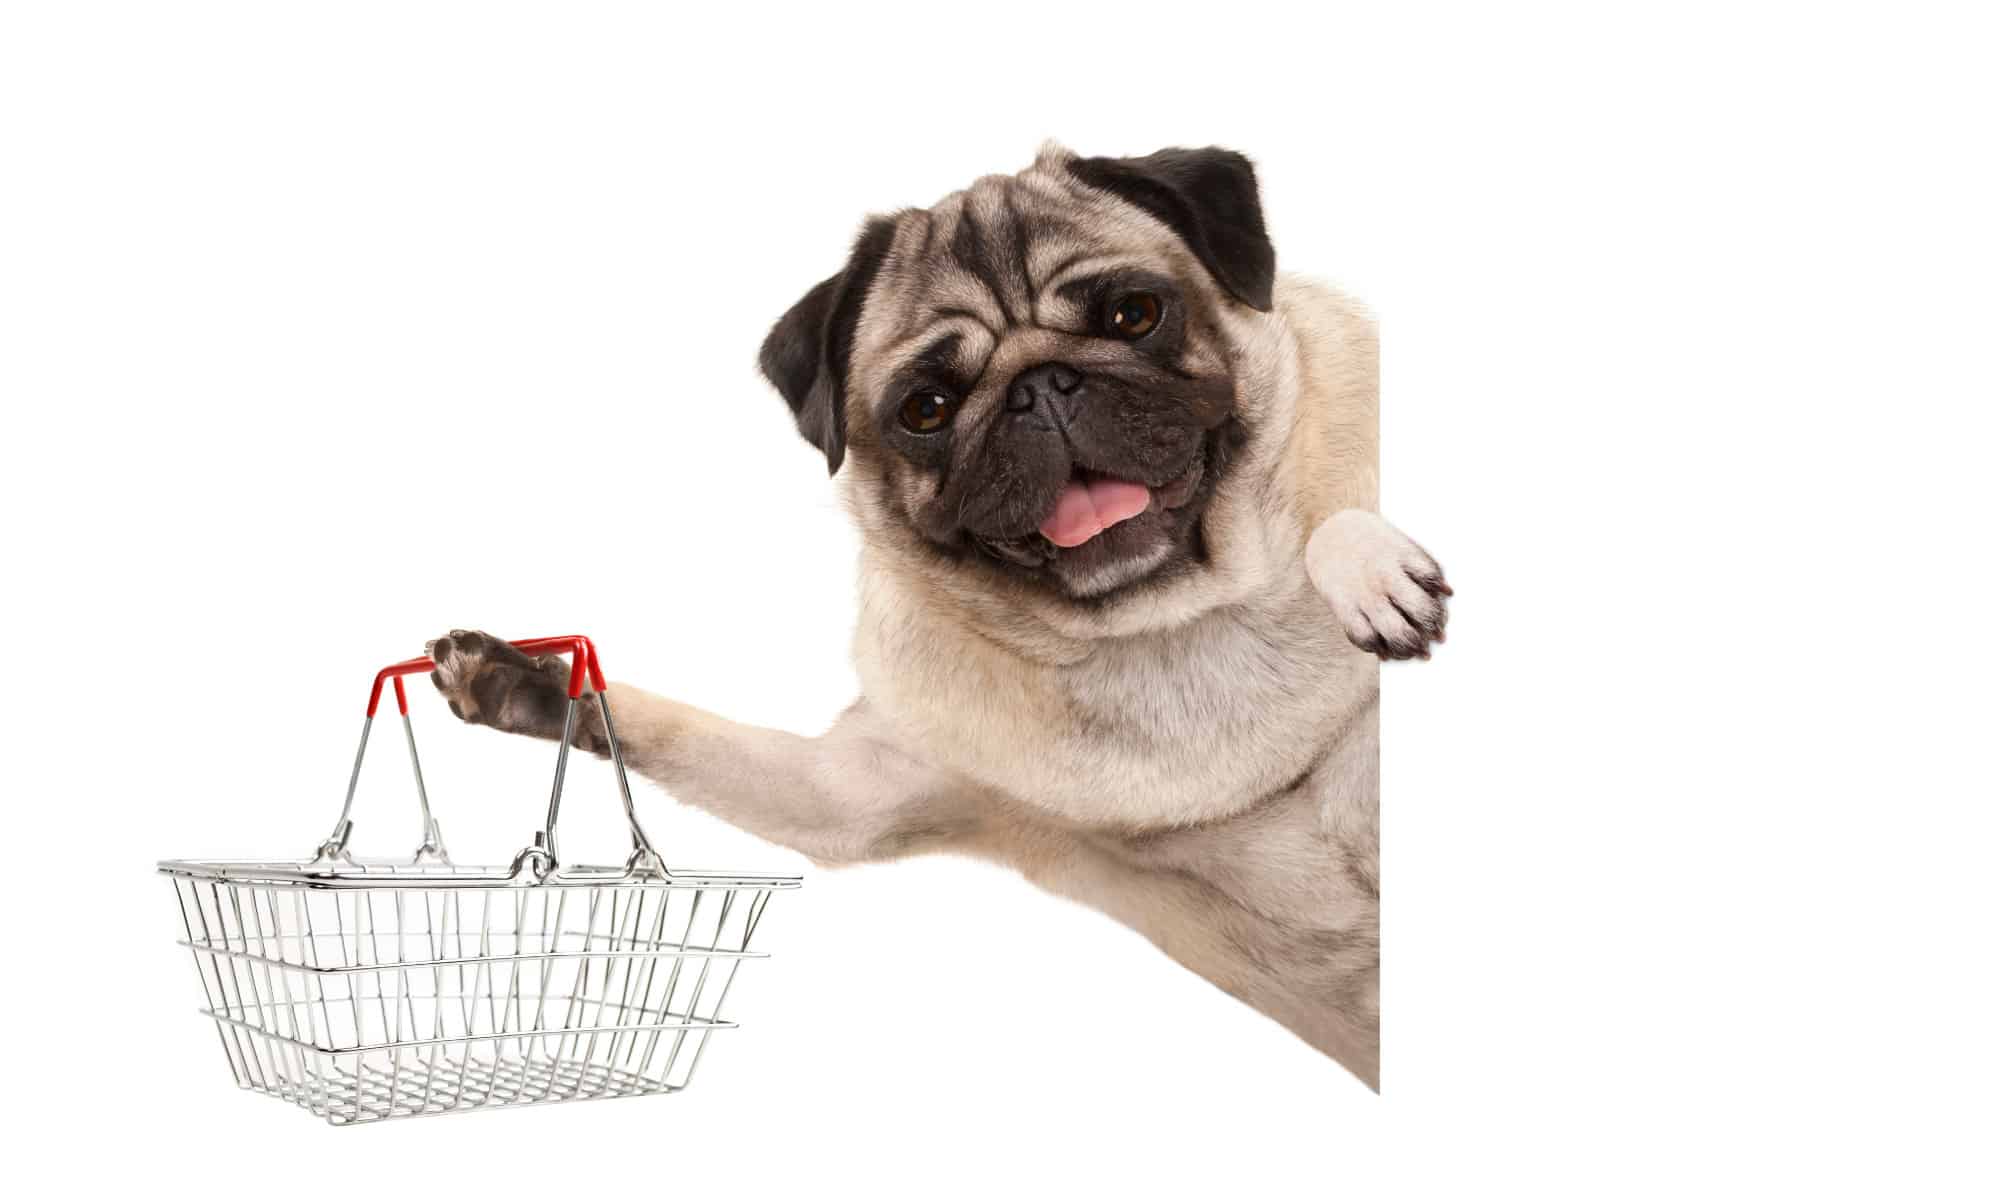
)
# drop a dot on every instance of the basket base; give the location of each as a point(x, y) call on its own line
point(390, 997)
point(348, 1095)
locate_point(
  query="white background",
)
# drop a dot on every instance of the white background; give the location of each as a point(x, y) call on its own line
point(324, 331)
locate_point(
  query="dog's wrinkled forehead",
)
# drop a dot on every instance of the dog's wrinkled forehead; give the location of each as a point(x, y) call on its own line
point(993, 258)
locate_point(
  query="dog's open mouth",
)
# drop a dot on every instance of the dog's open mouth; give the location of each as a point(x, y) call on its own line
point(1092, 502)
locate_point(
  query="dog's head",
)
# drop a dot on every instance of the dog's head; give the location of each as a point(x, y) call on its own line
point(1038, 376)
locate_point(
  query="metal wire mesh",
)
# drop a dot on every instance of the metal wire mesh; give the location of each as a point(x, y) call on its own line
point(416, 990)
point(362, 991)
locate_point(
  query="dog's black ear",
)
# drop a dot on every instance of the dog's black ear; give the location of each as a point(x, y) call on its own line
point(805, 355)
point(1209, 198)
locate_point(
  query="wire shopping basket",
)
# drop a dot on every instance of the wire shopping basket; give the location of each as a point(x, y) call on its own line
point(363, 990)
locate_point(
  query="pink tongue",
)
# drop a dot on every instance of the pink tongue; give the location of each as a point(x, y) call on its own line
point(1088, 508)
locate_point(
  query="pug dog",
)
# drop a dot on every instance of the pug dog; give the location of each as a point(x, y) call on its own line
point(1123, 585)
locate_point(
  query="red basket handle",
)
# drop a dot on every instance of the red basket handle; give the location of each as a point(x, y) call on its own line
point(583, 660)
point(538, 861)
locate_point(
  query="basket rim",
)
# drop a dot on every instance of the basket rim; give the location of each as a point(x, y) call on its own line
point(402, 875)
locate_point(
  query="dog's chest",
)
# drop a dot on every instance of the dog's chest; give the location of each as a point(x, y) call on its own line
point(1181, 725)
point(1240, 684)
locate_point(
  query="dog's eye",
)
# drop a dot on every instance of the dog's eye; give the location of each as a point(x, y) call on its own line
point(1135, 315)
point(926, 411)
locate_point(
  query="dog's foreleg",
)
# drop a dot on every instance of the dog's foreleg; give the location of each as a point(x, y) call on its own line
point(846, 796)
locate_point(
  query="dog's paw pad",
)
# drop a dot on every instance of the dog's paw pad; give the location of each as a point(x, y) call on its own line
point(486, 681)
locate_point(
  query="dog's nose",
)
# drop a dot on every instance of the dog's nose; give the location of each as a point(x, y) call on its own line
point(1039, 384)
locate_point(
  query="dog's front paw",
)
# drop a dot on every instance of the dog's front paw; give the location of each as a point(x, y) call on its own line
point(489, 682)
point(1388, 595)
